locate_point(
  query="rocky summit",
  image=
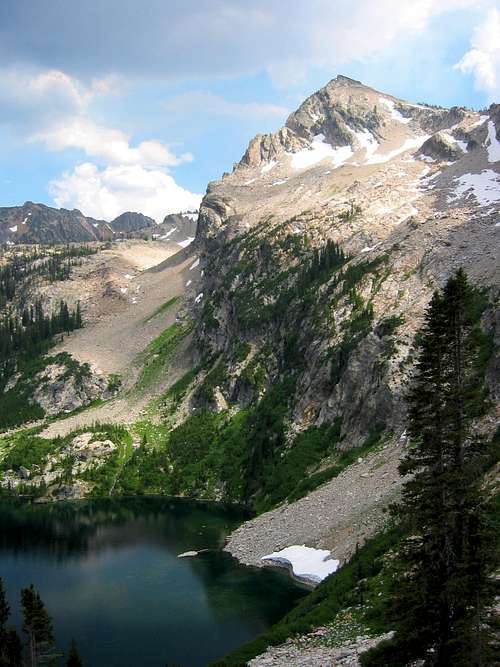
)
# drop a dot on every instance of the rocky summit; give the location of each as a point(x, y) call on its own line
point(407, 193)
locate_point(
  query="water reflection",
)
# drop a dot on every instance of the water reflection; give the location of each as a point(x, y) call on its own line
point(109, 574)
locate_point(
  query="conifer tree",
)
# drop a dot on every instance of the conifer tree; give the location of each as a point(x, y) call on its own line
point(37, 625)
point(10, 644)
point(442, 573)
point(73, 656)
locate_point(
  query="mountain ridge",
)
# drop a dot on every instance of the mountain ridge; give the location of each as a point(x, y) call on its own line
point(38, 223)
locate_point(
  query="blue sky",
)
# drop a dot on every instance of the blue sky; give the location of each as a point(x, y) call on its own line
point(113, 105)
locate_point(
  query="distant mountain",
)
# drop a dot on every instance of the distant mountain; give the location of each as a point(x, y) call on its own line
point(178, 226)
point(38, 223)
point(131, 222)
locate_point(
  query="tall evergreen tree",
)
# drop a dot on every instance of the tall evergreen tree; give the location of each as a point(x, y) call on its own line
point(10, 644)
point(73, 656)
point(37, 625)
point(442, 574)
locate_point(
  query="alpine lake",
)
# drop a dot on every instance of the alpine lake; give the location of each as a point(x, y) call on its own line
point(109, 574)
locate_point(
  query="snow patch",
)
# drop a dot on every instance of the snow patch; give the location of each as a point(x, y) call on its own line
point(279, 182)
point(194, 264)
point(267, 167)
point(188, 283)
point(186, 242)
point(485, 187)
point(252, 180)
point(320, 150)
point(128, 276)
point(458, 142)
point(482, 119)
point(370, 248)
point(13, 229)
point(191, 216)
point(308, 564)
point(367, 141)
point(413, 142)
point(492, 143)
point(123, 290)
point(395, 114)
point(165, 236)
point(199, 297)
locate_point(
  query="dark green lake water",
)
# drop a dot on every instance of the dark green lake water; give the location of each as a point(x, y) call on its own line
point(109, 575)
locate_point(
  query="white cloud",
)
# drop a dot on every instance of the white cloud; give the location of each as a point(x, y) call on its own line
point(209, 103)
point(51, 107)
point(483, 59)
point(105, 193)
point(110, 145)
point(28, 97)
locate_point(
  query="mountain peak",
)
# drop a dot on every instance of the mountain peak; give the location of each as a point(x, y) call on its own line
point(342, 80)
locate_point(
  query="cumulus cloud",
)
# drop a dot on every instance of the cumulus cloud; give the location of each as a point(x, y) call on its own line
point(53, 108)
point(28, 97)
point(209, 103)
point(483, 59)
point(57, 105)
point(105, 193)
point(112, 146)
point(200, 38)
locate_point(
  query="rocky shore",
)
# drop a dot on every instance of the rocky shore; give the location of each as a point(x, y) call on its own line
point(307, 652)
point(337, 516)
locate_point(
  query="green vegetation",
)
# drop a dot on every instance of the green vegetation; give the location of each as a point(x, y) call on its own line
point(31, 333)
point(242, 351)
point(249, 454)
point(161, 309)
point(343, 459)
point(106, 477)
point(114, 382)
point(214, 378)
point(17, 405)
point(288, 476)
point(160, 351)
point(24, 449)
point(179, 389)
point(27, 331)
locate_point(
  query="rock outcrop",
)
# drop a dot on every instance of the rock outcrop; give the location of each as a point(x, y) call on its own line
point(60, 389)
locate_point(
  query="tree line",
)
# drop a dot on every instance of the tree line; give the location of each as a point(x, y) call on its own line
point(53, 267)
point(38, 647)
point(28, 332)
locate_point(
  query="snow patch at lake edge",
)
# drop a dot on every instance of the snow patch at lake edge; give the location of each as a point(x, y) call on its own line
point(306, 564)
